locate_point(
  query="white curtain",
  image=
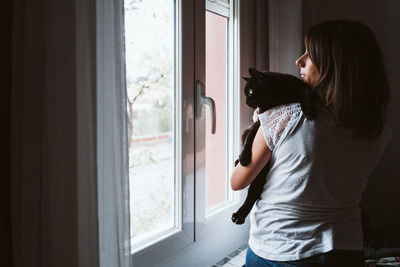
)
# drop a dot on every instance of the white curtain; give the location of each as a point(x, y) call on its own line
point(112, 133)
point(69, 171)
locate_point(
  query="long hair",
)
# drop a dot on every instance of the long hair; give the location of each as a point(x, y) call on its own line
point(353, 83)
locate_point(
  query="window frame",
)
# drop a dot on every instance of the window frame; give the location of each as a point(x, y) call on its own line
point(184, 241)
point(207, 224)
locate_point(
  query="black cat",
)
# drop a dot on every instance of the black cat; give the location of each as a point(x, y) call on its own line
point(267, 90)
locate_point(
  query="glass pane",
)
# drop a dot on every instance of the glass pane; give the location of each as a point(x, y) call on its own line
point(216, 88)
point(150, 76)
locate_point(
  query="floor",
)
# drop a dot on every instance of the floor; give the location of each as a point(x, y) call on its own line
point(235, 259)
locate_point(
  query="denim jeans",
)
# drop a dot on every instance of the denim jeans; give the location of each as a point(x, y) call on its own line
point(339, 258)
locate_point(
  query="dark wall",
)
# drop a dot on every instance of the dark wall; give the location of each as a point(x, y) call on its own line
point(5, 96)
point(381, 199)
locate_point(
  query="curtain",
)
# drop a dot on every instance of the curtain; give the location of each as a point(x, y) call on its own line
point(69, 183)
point(285, 26)
point(253, 47)
point(112, 132)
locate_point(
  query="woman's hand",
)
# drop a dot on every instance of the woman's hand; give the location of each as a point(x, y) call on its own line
point(242, 176)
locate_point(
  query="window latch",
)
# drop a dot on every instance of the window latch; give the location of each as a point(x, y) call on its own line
point(202, 99)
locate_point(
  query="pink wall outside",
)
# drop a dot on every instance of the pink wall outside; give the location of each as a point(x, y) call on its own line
point(216, 88)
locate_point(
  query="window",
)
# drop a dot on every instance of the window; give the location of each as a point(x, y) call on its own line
point(152, 124)
point(180, 198)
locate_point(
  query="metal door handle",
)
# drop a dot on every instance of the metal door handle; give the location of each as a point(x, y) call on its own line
point(202, 99)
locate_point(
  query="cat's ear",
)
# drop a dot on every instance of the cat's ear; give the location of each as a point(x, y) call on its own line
point(256, 74)
point(246, 79)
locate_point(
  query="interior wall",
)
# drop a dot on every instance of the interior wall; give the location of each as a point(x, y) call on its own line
point(381, 198)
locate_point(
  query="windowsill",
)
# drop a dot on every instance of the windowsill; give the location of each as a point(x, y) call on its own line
point(236, 259)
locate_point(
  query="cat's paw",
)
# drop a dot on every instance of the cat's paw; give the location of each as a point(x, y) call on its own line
point(237, 218)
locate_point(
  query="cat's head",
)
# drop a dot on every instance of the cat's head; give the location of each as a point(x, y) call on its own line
point(253, 87)
point(268, 89)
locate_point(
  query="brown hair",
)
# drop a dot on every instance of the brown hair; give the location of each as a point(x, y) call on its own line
point(353, 82)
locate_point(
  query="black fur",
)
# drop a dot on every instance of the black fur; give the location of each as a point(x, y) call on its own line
point(267, 90)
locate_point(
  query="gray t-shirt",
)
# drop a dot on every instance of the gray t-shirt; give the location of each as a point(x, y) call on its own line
point(310, 200)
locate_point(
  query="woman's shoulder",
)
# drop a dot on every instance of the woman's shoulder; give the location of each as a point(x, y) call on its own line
point(281, 112)
point(277, 122)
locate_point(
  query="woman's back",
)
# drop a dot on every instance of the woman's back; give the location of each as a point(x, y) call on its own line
point(318, 173)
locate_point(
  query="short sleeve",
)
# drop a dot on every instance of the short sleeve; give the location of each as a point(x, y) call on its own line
point(277, 122)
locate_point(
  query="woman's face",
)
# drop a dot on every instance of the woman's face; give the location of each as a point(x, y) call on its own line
point(308, 71)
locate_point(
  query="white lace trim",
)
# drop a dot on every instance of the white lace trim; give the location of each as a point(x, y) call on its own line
point(275, 123)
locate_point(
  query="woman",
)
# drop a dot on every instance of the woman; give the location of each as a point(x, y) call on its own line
point(308, 214)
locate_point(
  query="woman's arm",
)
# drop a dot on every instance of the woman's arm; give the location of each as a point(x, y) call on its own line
point(243, 176)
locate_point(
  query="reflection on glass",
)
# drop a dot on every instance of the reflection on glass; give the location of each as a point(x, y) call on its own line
point(216, 88)
point(149, 44)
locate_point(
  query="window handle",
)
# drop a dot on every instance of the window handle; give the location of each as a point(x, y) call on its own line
point(201, 99)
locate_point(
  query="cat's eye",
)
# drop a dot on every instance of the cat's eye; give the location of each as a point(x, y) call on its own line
point(250, 91)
